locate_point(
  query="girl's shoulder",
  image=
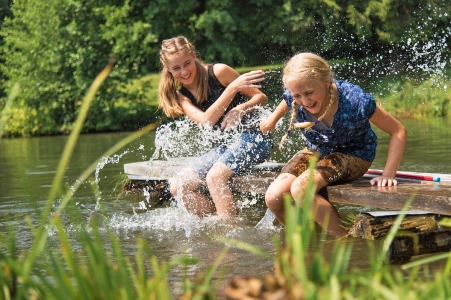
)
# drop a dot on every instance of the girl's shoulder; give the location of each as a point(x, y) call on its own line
point(224, 73)
point(221, 69)
point(345, 87)
point(354, 98)
point(352, 92)
point(287, 96)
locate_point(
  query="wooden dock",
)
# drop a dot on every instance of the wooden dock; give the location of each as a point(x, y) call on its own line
point(422, 232)
point(429, 196)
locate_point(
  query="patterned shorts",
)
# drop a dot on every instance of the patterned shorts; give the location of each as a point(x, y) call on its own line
point(334, 168)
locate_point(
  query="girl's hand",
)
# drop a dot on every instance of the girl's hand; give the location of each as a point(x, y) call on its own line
point(266, 126)
point(246, 81)
point(383, 181)
point(232, 119)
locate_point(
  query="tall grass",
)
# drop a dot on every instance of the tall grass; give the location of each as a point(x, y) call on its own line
point(93, 272)
point(302, 270)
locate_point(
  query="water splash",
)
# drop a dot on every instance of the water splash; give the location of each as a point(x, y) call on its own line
point(172, 219)
point(185, 138)
point(421, 54)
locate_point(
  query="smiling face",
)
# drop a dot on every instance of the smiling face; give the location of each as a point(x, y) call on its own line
point(183, 67)
point(313, 95)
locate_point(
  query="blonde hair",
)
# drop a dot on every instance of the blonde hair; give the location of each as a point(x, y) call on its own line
point(168, 87)
point(306, 66)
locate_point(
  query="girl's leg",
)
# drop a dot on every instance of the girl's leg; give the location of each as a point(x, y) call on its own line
point(275, 193)
point(186, 185)
point(274, 196)
point(246, 151)
point(324, 212)
point(218, 185)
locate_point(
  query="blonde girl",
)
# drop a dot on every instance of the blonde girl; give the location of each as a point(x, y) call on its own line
point(218, 96)
point(335, 117)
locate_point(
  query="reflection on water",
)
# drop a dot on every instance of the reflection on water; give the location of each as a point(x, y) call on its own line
point(28, 165)
point(427, 148)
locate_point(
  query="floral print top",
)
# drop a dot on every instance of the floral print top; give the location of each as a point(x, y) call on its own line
point(350, 132)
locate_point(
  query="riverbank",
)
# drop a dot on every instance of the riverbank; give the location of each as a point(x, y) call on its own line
point(405, 95)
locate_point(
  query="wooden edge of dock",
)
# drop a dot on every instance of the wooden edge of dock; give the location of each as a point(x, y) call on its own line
point(433, 197)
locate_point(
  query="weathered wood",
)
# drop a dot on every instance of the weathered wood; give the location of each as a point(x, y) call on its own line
point(430, 197)
point(418, 234)
point(433, 197)
point(369, 227)
point(405, 246)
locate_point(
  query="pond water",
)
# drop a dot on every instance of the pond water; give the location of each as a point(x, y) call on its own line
point(28, 165)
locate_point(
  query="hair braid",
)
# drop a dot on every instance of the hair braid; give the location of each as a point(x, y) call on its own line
point(294, 114)
point(305, 125)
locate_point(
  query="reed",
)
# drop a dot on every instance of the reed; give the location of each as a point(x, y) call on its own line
point(302, 271)
point(6, 109)
point(89, 273)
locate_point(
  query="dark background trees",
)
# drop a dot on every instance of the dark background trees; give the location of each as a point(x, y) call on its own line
point(55, 48)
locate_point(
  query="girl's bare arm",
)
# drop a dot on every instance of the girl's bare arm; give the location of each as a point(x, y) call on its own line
point(246, 84)
point(398, 137)
point(269, 124)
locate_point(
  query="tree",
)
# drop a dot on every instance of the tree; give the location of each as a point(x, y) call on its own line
point(55, 48)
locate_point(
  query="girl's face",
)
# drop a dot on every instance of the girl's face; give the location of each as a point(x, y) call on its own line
point(182, 67)
point(313, 95)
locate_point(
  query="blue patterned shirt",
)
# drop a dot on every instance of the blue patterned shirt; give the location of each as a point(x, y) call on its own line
point(351, 131)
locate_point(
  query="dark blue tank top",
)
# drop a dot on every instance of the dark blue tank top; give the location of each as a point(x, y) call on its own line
point(216, 90)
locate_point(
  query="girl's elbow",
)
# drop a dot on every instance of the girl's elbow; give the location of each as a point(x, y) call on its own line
point(403, 132)
point(205, 123)
point(261, 98)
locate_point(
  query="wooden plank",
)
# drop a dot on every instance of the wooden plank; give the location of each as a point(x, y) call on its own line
point(432, 197)
point(167, 169)
point(429, 197)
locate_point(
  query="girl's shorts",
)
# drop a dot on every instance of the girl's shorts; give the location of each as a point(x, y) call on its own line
point(334, 168)
point(248, 150)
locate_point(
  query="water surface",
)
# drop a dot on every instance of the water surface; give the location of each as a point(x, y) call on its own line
point(28, 165)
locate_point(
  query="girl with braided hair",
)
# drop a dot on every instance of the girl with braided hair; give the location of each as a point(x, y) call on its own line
point(218, 96)
point(334, 116)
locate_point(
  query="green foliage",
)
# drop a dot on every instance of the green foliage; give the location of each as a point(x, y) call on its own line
point(55, 59)
point(418, 99)
point(54, 48)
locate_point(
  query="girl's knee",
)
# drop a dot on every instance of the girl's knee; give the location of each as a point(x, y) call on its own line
point(173, 186)
point(274, 199)
point(274, 196)
point(186, 180)
point(218, 174)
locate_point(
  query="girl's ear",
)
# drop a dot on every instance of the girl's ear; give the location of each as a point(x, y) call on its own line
point(327, 83)
point(195, 54)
